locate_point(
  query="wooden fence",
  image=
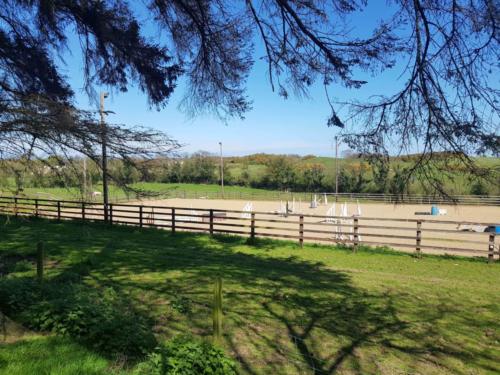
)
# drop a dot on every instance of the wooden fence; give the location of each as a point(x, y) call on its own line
point(419, 235)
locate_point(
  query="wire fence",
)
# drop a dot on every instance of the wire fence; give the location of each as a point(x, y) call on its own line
point(365, 197)
point(273, 195)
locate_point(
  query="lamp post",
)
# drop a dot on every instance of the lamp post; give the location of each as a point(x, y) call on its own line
point(103, 96)
point(84, 177)
point(221, 170)
point(336, 168)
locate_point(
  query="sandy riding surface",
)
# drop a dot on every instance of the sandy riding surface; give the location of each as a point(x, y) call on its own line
point(466, 243)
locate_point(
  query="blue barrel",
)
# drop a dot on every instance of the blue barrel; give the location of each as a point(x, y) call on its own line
point(493, 229)
point(434, 210)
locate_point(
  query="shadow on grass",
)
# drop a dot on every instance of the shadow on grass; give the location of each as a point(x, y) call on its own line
point(282, 315)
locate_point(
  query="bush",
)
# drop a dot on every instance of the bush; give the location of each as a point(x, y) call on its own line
point(23, 266)
point(102, 321)
point(186, 356)
point(478, 188)
point(14, 263)
point(16, 295)
point(181, 304)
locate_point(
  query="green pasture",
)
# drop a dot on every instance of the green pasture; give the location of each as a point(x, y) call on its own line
point(287, 310)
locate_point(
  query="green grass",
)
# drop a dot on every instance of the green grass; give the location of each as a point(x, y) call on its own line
point(50, 355)
point(163, 189)
point(286, 309)
point(198, 188)
point(256, 171)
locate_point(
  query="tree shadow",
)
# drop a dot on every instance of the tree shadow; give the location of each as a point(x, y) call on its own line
point(281, 315)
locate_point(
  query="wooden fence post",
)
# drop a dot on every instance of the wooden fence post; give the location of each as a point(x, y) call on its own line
point(83, 210)
point(140, 216)
point(419, 239)
point(252, 225)
point(211, 222)
point(301, 230)
point(217, 310)
point(15, 207)
point(59, 210)
point(110, 214)
point(356, 236)
point(36, 207)
point(491, 247)
point(173, 220)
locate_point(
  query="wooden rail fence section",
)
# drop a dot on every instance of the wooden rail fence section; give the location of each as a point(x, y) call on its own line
point(434, 236)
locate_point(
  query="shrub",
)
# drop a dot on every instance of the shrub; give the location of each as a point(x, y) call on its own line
point(186, 356)
point(478, 188)
point(101, 320)
point(23, 266)
point(17, 295)
point(15, 263)
point(181, 304)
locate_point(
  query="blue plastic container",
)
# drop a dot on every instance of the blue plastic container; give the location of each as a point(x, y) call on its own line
point(493, 229)
point(434, 210)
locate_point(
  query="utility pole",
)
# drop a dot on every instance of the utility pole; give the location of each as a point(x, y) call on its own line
point(104, 157)
point(336, 168)
point(221, 170)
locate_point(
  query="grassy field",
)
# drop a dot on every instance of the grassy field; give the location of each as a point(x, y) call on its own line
point(164, 189)
point(287, 309)
point(40, 354)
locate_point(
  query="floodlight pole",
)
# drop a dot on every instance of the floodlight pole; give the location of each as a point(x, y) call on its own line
point(336, 168)
point(104, 157)
point(221, 170)
point(84, 177)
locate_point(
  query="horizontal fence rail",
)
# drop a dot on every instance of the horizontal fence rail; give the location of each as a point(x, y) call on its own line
point(418, 235)
point(488, 200)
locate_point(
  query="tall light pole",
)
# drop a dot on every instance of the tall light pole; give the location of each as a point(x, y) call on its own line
point(221, 170)
point(336, 168)
point(104, 95)
point(84, 177)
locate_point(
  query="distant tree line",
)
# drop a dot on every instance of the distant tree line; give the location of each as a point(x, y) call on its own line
point(274, 172)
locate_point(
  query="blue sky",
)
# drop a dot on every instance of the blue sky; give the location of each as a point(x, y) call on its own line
point(274, 125)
